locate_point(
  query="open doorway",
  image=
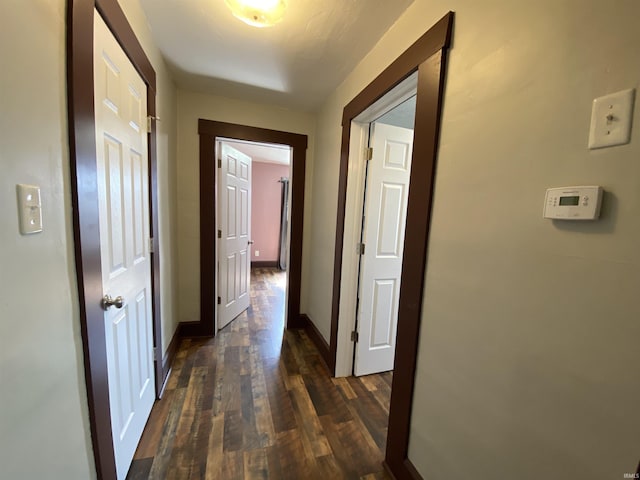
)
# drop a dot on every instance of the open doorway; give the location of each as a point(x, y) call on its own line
point(253, 215)
point(208, 131)
point(387, 171)
point(427, 56)
point(380, 148)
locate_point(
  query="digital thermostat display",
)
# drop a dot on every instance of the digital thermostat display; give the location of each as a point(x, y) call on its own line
point(575, 200)
point(573, 203)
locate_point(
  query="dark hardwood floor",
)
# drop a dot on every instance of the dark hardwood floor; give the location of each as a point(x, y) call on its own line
point(254, 404)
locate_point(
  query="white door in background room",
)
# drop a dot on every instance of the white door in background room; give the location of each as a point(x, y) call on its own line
point(122, 167)
point(234, 200)
point(385, 212)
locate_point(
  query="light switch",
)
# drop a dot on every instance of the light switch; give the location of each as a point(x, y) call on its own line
point(611, 118)
point(29, 209)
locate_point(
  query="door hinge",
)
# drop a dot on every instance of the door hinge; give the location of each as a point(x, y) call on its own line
point(150, 118)
point(355, 336)
point(219, 300)
point(155, 353)
point(219, 233)
point(219, 163)
point(151, 245)
point(369, 153)
point(361, 248)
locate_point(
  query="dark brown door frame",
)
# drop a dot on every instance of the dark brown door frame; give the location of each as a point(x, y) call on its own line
point(86, 230)
point(208, 131)
point(428, 56)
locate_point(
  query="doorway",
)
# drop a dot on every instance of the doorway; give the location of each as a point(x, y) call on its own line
point(85, 199)
point(427, 56)
point(208, 131)
point(253, 221)
point(386, 171)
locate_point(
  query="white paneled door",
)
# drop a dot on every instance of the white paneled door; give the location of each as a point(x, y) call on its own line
point(122, 161)
point(234, 200)
point(385, 213)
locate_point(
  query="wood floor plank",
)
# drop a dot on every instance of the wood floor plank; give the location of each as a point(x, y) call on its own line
point(307, 418)
point(262, 408)
point(294, 463)
point(140, 469)
point(233, 466)
point(232, 431)
point(326, 399)
point(231, 387)
point(256, 465)
point(353, 452)
point(370, 413)
point(273, 461)
point(151, 436)
point(165, 448)
point(186, 435)
point(250, 437)
point(215, 453)
point(345, 388)
point(279, 400)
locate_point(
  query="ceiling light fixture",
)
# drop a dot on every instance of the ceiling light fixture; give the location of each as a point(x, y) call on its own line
point(258, 13)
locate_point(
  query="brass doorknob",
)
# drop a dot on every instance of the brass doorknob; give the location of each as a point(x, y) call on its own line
point(108, 302)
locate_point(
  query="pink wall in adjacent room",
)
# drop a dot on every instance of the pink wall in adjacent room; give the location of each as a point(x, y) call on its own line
point(266, 200)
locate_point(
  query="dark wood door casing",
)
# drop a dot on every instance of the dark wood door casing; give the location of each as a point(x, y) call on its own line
point(427, 56)
point(209, 131)
point(84, 192)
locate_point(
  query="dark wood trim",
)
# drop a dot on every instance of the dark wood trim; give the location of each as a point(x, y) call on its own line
point(434, 40)
point(265, 264)
point(427, 55)
point(84, 191)
point(315, 336)
point(117, 22)
point(208, 222)
point(168, 358)
point(209, 130)
point(410, 471)
point(431, 78)
point(388, 470)
point(192, 330)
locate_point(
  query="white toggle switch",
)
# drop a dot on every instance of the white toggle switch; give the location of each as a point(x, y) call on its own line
point(611, 117)
point(29, 209)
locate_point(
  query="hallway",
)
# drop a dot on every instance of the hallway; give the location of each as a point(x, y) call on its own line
point(250, 404)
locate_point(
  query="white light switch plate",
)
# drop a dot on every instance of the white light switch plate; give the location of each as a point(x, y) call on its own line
point(29, 209)
point(611, 118)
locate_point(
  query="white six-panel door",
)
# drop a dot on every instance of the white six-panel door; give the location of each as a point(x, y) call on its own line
point(385, 214)
point(122, 165)
point(234, 200)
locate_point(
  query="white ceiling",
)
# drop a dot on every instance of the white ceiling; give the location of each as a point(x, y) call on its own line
point(296, 63)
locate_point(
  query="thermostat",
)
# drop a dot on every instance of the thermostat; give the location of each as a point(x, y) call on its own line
point(573, 203)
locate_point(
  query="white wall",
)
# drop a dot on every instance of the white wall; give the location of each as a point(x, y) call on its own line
point(42, 393)
point(44, 426)
point(528, 350)
point(191, 107)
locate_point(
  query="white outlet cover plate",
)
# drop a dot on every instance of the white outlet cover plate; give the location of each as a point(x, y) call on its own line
point(29, 209)
point(611, 118)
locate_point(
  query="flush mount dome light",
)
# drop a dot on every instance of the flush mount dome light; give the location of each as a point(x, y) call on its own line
point(258, 13)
